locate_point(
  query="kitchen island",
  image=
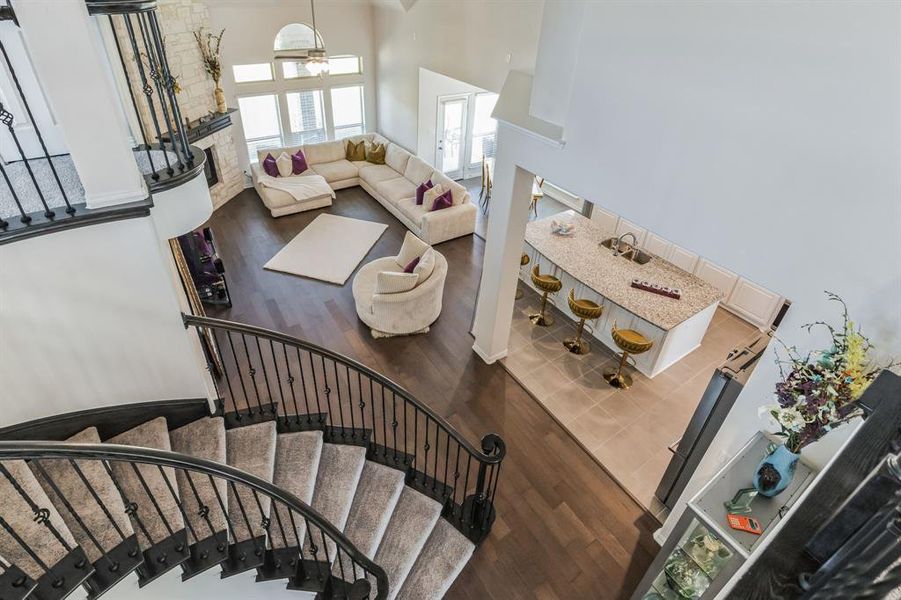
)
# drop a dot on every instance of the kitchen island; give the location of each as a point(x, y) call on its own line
point(676, 326)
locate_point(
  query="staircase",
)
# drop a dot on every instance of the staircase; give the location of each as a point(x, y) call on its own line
point(389, 505)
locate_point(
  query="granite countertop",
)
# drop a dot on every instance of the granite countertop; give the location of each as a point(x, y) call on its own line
point(611, 276)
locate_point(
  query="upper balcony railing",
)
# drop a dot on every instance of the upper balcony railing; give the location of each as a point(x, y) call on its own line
point(40, 189)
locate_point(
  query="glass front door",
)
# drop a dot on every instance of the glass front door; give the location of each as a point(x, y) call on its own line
point(451, 135)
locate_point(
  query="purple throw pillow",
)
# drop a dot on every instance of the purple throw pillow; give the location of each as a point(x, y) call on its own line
point(445, 200)
point(421, 190)
point(298, 163)
point(269, 166)
point(412, 265)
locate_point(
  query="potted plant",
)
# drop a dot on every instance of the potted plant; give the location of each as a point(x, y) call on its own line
point(818, 392)
point(209, 45)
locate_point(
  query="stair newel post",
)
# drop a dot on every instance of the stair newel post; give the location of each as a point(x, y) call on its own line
point(482, 512)
point(360, 590)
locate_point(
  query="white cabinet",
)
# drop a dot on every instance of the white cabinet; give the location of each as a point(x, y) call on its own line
point(655, 244)
point(682, 258)
point(715, 275)
point(626, 226)
point(753, 303)
point(604, 218)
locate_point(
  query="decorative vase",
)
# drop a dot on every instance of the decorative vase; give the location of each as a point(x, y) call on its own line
point(220, 99)
point(776, 471)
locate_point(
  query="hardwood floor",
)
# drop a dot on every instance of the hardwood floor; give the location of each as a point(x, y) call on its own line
point(564, 529)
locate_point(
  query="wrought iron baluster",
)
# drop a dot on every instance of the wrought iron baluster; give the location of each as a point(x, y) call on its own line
point(384, 425)
point(338, 392)
point(25, 219)
point(25, 546)
point(394, 422)
point(156, 77)
point(273, 508)
point(362, 403)
point(59, 494)
point(7, 119)
point(147, 89)
point(231, 345)
point(290, 382)
point(315, 385)
point(426, 447)
point(278, 379)
point(265, 374)
point(237, 496)
point(203, 511)
point(96, 497)
point(153, 501)
point(228, 522)
point(253, 374)
point(178, 503)
point(406, 429)
point(41, 515)
point(303, 385)
point(134, 102)
point(37, 131)
point(457, 476)
point(170, 89)
point(131, 508)
point(447, 440)
point(350, 402)
point(338, 553)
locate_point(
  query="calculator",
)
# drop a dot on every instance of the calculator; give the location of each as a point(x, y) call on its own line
point(744, 523)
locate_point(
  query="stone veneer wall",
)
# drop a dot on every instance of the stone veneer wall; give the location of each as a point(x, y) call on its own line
point(178, 21)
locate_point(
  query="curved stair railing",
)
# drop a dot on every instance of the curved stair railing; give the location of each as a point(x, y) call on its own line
point(297, 541)
point(262, 374)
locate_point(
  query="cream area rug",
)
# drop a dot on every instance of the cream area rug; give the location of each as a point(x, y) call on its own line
point(328, 249)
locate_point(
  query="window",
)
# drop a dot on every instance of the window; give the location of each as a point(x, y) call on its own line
point(295, 70)
point(262, 127)
point(296, 36)
point(305, 117)
point(347, 111)
point(251, 73)
point(484, 128)
point(345, 65)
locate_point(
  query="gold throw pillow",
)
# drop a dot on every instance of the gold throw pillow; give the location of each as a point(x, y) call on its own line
point(375, 153)
point(355, 151)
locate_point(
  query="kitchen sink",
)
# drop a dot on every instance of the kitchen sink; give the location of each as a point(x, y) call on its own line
point(627, 251)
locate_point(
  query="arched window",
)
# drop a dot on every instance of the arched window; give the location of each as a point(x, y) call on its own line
point(294, 37)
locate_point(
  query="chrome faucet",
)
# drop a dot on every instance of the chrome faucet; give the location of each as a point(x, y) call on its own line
point(619, 240)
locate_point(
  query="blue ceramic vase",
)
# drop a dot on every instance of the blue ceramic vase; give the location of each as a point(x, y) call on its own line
point(776, 471)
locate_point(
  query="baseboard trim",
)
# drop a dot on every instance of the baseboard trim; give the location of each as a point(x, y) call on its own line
point(489, 359)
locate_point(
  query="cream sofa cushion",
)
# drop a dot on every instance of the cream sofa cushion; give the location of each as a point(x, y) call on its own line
point(376, 173)
point(378, 138)
point(283, 163)
point(395, 190)
point(324, 152)
point(366, 137)
point(418, 171)
point(458, 192)
point(392, 282)
point(275, 152)
point(410, 249)
point(338, 170)
point(428, 199)
point(425, 266)
point(411, 210)
point(396, 158)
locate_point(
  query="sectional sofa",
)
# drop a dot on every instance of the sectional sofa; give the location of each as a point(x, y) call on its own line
point(393, 184)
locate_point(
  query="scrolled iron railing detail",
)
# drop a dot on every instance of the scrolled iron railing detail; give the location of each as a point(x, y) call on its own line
point(262, 374)
point(360, 578)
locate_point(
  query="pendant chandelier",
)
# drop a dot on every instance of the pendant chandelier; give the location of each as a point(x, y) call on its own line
point(292, 44)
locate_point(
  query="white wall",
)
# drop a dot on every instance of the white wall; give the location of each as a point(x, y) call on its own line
point(762, 135)
point(468, 41)
point(346, 27)
point(90, 317)
point(431, 86)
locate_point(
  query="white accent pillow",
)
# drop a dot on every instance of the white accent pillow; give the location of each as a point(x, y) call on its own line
point(283, 162)
point(425, 266)
point(428, 199)
point(411, 248)
point(392, 282)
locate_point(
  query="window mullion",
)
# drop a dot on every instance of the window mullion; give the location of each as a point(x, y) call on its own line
point(327, 109)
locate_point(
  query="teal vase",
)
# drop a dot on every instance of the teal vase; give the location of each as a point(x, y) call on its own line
point(775, 472)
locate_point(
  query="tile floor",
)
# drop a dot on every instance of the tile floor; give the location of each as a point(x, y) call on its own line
point(626, 431)
point(547, 206)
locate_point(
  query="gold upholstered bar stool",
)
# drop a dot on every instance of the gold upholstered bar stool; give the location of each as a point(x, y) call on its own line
point(548, 284)
point(586, 310)
point(523, 261)
point(630, 342)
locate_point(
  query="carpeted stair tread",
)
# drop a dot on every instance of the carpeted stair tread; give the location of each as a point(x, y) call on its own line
point(442, 558)
point(19, 515)
point(204, 438)
point(377, 494)
point(251, 449)
point(101, 512)
point(336, 481)
point(414, 517)
point(296, 465)
point(156, 524)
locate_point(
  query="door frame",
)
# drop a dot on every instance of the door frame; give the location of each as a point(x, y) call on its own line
point(465, 99)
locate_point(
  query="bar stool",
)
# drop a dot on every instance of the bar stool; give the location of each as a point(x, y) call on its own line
point(548, 284)
point(630, 342)
point(523, 261)
point(586, 310)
